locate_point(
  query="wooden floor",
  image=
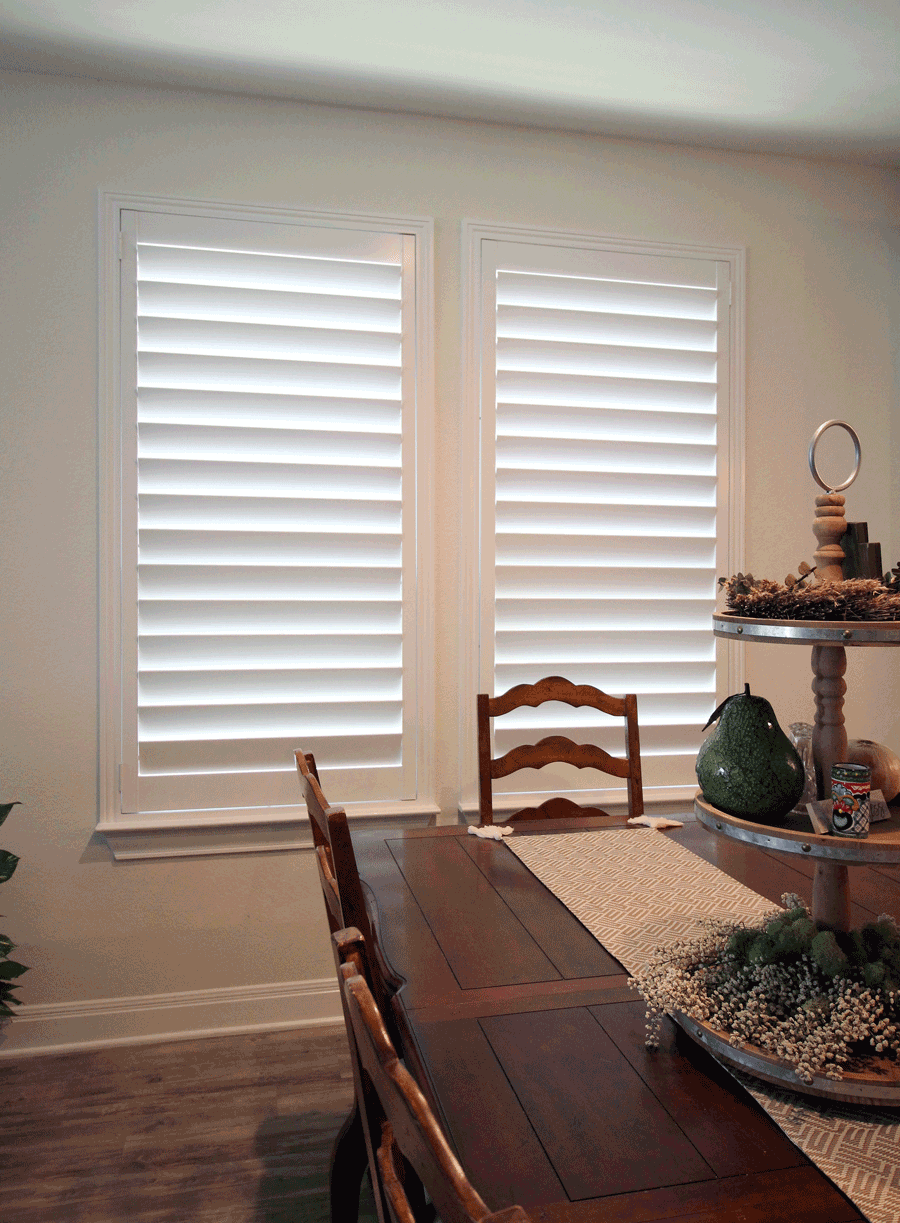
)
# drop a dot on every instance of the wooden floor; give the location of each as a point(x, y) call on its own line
point(231, 1129)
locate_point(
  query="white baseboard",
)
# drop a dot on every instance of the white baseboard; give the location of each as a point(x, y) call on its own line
point(64, 1027)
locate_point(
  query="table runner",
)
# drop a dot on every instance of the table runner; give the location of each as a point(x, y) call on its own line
point(637, 890)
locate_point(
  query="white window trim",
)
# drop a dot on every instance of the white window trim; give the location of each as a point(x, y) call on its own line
point(729, 655)
point(244, 830)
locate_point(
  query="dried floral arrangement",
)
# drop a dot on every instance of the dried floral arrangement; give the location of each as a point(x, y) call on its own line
point(806, 598)
point(820, 1001)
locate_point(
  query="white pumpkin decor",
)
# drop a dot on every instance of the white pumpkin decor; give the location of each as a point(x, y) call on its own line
point(883, 763)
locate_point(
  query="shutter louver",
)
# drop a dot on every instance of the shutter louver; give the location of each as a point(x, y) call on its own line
point(600, 506)
point(274, 402)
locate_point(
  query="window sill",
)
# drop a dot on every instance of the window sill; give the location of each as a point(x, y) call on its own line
point(197, 834)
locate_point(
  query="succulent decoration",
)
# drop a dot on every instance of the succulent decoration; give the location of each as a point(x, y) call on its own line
point(807, 598)
point(818, 999)
point(9, 969)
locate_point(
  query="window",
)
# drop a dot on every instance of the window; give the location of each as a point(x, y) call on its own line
point(604, 449)
point(268, 591)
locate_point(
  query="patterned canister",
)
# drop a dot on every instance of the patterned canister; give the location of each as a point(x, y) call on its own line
point(850, 800)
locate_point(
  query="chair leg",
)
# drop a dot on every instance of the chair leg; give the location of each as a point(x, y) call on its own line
point(349, 1161)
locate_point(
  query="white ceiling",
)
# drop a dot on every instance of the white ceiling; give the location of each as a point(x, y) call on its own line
point(817, 77)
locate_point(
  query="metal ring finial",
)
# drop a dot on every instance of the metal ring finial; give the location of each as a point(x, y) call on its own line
point(834, 488)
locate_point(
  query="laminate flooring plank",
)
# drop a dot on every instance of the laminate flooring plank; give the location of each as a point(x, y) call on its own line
point(727, 1126)
point(483, 940)
point(567, 944)
point(225, 1130)
point(493, 1138)
point(603, 1129)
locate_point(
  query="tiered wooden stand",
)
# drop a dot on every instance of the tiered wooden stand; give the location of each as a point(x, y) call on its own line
point(879, 1082)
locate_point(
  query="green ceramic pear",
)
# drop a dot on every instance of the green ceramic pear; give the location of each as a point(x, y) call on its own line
point(748, 767)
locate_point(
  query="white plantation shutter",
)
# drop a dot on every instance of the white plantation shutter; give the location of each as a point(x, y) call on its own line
point(269, 572)
point(603, 389)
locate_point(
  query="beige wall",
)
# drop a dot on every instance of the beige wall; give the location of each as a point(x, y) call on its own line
point(822, 325)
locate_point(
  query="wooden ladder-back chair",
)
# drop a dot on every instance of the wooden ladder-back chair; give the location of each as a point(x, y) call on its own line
point(409, 1154)
point(557, 749)
point(338, 874)
point(345, 906)
point(342, 889)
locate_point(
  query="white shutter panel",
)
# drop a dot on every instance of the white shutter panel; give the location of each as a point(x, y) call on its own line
point(599, 513)
point(271, 562)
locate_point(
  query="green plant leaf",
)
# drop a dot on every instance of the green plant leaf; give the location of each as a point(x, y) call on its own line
point(9, 970)
point(6, 945)
point(8, 863)
point(5, 809)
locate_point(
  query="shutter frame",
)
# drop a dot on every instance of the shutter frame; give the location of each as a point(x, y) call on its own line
point(412, 237)
point(548, 252)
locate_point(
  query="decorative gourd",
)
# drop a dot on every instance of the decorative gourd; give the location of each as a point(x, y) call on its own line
point(748, 767)
point(883, 764)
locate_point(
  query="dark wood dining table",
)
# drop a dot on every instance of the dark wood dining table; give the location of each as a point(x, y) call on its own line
point(530, 1043)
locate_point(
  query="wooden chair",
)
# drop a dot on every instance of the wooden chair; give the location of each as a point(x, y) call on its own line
point(345, 905)
point(342, 888)
point(338, 873)
point(556, 748)
point(414, 1171)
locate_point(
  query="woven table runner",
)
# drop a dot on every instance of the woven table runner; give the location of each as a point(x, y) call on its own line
point(636, 891)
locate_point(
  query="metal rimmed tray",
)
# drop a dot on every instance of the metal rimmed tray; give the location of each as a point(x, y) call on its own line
point(877, 1083)
point(808, 632)
point(797, 837)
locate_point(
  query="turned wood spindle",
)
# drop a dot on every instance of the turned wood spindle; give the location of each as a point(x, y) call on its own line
point(829, 737)
point(829, 662)
point(831, 882)
point(830, 524)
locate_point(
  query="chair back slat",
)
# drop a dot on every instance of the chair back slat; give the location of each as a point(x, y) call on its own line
point(555, 688)
point(556, 808)
point(556, 749)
